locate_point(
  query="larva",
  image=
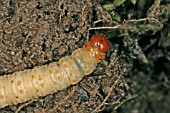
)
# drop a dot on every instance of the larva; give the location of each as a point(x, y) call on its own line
point(29, 84)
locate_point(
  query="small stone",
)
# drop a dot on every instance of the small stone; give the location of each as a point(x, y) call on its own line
point(12, 53)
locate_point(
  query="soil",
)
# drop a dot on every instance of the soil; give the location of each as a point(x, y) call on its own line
point(38, 32)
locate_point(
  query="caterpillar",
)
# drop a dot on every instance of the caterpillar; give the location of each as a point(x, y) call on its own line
point(25, 85)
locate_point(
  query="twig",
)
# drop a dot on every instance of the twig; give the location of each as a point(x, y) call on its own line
point(157, 2)
point(70, 94)
point(129, 98)
point(23, 105)
point(142, 19)
point(98, 28)
point(145, 19)
point(111, 89)
point(95, 22)
point(125, 22)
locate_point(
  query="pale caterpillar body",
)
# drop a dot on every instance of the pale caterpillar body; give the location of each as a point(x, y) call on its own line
point(40, 81)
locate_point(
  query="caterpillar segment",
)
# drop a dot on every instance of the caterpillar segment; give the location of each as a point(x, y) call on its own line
point(40, 81)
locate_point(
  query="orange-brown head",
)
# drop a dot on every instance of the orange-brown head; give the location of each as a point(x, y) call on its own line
point(101, 42)
point(97, 47)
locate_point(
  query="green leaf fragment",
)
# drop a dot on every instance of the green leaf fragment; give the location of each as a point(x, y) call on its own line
point(118, 2)
point(133, 1)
